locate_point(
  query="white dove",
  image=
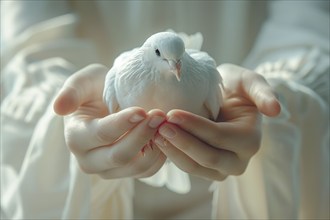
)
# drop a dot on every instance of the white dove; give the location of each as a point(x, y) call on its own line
point(162, 74)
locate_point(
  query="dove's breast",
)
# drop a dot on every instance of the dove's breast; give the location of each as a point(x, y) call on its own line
point(139, 83)
point(164, 93)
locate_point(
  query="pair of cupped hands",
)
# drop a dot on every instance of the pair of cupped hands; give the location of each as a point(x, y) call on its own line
point(113, 145)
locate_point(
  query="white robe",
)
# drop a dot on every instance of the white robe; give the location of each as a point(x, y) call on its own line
point(43, 42)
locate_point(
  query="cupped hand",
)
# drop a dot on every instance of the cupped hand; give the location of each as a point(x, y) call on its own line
point(112, 146)
point(215, 150)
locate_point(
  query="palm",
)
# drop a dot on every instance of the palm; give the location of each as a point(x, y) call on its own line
point(216, 150)
point(237, 109)
point(90, 130)
point(91, 110)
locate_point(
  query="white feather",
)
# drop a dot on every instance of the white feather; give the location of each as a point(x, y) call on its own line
point(144, 77)
point(170, 176)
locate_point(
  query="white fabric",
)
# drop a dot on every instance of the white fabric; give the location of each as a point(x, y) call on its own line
point(289, 175)
point(40, 179)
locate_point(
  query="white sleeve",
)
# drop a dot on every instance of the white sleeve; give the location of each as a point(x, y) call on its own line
point(289, 177)
point(40, 178)
point(294, 44)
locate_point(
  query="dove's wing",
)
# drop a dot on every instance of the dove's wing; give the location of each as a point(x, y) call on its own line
point(110, 86)
point(202, 57)
point(109, 92)
point(214, 98)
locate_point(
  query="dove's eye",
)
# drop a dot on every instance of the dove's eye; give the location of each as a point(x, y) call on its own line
point(157, 52)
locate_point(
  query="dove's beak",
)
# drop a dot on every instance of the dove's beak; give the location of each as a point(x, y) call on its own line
point(176, 68)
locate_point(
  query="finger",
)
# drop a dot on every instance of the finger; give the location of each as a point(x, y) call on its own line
point(262, 94)
point(185, 163)
point(101, 159)
point(83, 135)
point(226, 136)
point(150, 162)
point(205, 155)
point(253, 86)
point(153, 168)
point(80, 88)
point(125, 149)
point(111, 128)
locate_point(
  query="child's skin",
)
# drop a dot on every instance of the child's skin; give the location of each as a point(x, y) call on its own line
point(212, 150)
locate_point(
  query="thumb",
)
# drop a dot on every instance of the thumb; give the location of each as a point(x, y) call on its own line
point(253, 86)
point(262, 94)
point(67, 101)
point(83, 86)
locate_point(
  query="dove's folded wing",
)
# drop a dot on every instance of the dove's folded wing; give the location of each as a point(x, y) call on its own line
point(214, 98)
point(109, 92)
point(202, 57)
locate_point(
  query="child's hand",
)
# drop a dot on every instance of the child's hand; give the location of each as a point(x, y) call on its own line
point(108, 145)
point(215, 150)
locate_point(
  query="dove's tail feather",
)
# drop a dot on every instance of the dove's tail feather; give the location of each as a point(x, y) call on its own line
point(170, 176)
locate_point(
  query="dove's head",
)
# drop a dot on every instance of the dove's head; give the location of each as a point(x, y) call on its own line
point(166, 50)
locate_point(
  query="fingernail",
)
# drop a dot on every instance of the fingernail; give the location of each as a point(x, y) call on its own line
point(155, 121)
point(175, 119)
point(166, 131)
point(136, 118)
point(160, 141)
